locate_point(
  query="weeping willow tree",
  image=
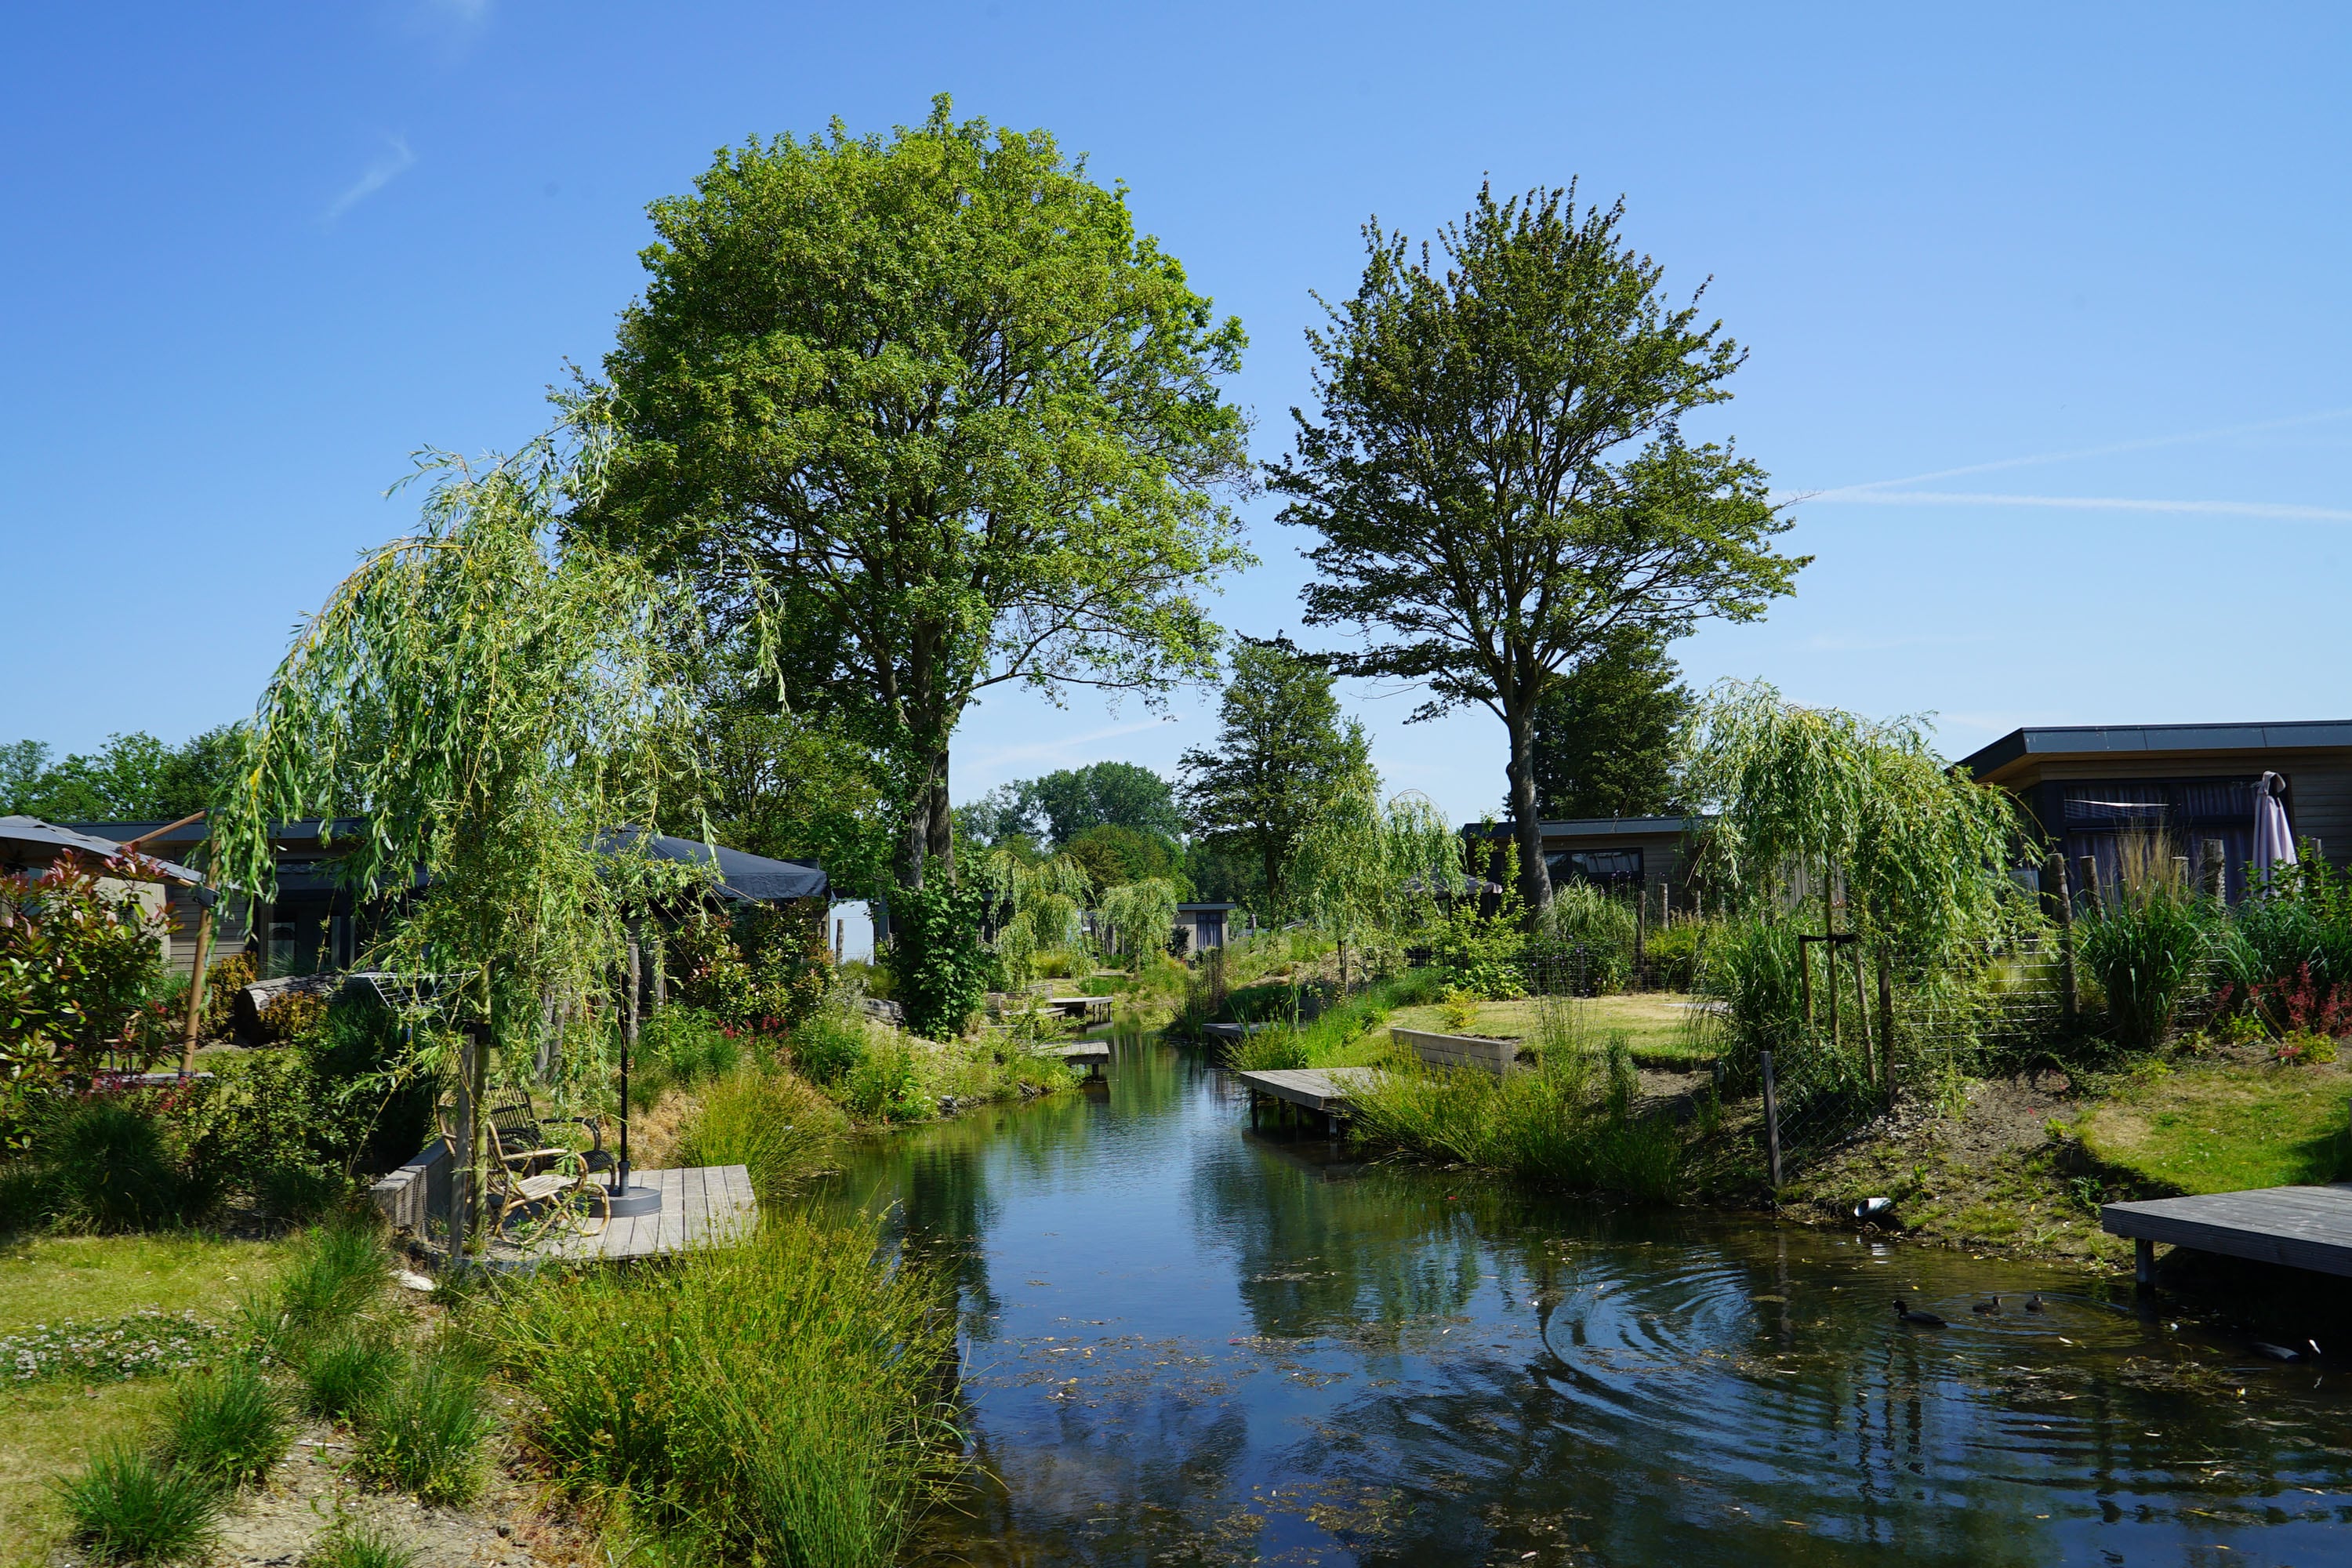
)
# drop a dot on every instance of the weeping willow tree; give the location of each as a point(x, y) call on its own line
point(1047, 896)
point(479, 711)
point(1814, 803)
point(1140, 917)
point(1367, 869)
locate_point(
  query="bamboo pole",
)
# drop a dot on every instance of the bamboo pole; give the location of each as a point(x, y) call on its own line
point(2064, 898)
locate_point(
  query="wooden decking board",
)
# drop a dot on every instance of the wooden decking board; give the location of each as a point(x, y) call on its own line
point(1324, 1089)
point(2302, 1228)
point(701, 1205)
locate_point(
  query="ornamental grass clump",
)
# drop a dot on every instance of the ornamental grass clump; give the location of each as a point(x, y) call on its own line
point(126, 1508)
point(424, 1432)
point(225, 1428)
point(787, 1400)
point(2146, 953)
point(777, 1126)
point(348, 1372)
point(351, 1544)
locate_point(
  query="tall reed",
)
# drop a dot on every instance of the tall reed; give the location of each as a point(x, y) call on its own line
point(787, 1400)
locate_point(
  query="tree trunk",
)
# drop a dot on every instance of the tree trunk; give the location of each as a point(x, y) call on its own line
point(1527, 829)
point(939, 817)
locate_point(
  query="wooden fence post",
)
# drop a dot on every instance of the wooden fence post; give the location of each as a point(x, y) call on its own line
point(1886, 1022)
point(2090, 868)
point(1861, 1006)
point(465, 1185)
point(2063, 898)
point(197, 981)
point(1772, 1126)
point(2211, 876)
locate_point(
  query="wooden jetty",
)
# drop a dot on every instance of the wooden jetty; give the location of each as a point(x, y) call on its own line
point(1092, 1055)
point(702, 1205)
point(1085, 1009)
point(2301, 1228)
point(1319, 1091)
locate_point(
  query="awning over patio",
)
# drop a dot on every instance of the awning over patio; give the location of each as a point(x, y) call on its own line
point(46, 838)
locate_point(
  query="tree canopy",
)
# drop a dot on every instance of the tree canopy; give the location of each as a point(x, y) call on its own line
point(1282, 752)
point(1499, 474)
point(933, 403)
point(134, 777)
point(1606, 733)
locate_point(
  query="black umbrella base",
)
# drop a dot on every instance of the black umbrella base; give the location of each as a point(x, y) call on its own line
point(630, 1201)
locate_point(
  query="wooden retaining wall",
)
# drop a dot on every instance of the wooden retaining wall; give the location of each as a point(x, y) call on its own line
point(419, 1190)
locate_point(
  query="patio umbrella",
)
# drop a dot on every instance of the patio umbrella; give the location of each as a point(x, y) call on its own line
point(2273, 843)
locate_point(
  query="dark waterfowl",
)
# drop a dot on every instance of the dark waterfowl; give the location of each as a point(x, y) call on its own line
point(1987, 1308)
point(2280, 1352)
point(2033, 1302)
point(1924, 1319)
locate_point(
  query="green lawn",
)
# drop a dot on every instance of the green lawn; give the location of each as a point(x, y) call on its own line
point(2223, 1129)
point(1662, 1026)
point(51, 1427)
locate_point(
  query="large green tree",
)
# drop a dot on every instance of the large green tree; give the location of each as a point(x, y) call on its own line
point(930, 409)
point(1606, 732)
point(1281, 755)
point(1499, 473)
point(134, 777)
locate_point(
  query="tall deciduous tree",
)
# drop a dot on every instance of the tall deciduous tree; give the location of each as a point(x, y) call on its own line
point(1281, 755)
point(935, 403)
point(1606, 731)
point(1499, 472)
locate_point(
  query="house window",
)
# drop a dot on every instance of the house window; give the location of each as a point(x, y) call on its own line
point(2118, 823)
point(280, 955)
point(1611, 868)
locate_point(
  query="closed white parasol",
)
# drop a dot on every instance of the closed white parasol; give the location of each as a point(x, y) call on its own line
point(2273, 843)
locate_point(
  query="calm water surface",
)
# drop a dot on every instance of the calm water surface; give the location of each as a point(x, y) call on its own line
point(1185, 1342)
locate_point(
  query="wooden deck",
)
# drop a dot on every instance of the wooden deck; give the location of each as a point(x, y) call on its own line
point(2301, 1228)
point(702, 1205)
point(1090, 1009)
point(1323, 1090)
point(1092, 1055)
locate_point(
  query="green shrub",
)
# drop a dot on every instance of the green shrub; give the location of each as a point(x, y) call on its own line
point(938, 968)
point(1276, 1048)
point(351, 1544)
point(776, 1125)
point(1598, 929)
point(802, 1415)
point(108, 1165)
point(125, 1508)
point(1676, 950)
point(1756, 973)
point(827, 1045)
point(884, 1087)
point(423, 1432)
point(225, 1427)
point(343, 1373)
point(678, 1047)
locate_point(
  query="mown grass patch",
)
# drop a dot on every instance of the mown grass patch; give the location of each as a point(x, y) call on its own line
point(53, 1429)
point(2223, 1129)
point(53, 1278)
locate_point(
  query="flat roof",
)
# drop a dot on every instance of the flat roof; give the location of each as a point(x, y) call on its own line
point(2123, 739)
point(1600, 827)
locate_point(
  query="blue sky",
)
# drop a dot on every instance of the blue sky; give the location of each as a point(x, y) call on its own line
point(2045, 305)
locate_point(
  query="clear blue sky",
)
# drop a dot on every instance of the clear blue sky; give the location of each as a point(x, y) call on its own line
point(2066, 285)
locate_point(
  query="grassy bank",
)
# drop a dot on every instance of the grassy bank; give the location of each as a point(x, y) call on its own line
point(2219, 1127)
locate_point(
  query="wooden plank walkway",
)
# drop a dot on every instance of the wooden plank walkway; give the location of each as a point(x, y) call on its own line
point(1323, 1090)
point(1092, 1009)
point(2301, 1228)
point(702, 1205)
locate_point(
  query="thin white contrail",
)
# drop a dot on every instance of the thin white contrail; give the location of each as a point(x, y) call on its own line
point(2142, 444)
point(2274, 510)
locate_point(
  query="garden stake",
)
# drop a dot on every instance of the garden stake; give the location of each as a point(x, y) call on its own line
point(1772, 1127)
point(1861, 1006)
point(2065, 899)
point(1886, 1021)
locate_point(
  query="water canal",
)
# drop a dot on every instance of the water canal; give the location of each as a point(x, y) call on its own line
point(1188, 1343)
